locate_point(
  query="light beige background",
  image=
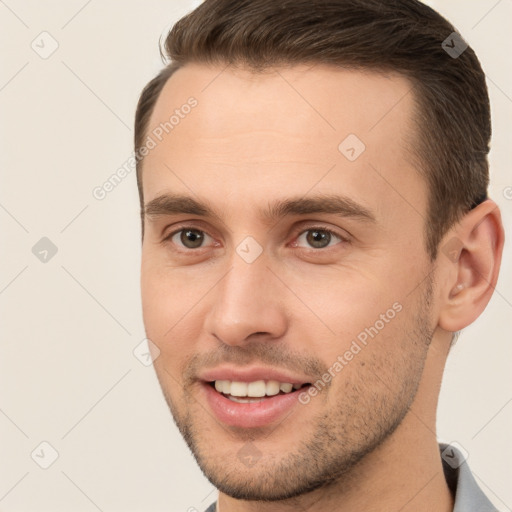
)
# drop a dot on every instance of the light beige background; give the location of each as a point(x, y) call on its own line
point(68, 375)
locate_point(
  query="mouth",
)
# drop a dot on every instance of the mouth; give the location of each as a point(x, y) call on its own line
point(255, 391)
point(251, 404)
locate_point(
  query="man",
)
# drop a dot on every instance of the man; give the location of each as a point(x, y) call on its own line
point(316, 230)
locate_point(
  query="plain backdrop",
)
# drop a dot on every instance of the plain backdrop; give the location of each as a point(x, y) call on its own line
point(70, 323)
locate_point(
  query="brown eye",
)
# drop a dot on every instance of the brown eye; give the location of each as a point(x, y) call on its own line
point(188, 238)
point(191, 238)
point(319, 238)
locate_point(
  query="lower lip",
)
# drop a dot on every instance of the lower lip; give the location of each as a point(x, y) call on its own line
point(250, 415)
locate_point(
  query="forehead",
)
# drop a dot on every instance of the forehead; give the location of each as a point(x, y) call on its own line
point(315, 98)
point(286, 128)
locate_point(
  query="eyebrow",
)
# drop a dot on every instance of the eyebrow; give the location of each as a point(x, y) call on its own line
point(173, 204)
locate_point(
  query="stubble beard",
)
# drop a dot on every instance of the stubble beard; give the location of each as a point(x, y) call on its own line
point(337, 439)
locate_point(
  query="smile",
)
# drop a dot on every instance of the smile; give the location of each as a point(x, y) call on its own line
point(253, 392)
point(251, 404)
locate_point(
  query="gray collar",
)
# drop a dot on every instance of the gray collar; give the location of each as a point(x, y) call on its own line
point(468, 495)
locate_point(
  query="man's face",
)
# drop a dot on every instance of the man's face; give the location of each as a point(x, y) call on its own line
point(245, 296)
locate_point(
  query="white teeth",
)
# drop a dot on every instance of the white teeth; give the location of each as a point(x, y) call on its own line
point(244, 400)
point(256, 389)
point(272, 387)
point(223, 386)
point(238, 389)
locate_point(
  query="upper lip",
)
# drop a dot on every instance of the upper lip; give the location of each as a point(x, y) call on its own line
point(251, 374)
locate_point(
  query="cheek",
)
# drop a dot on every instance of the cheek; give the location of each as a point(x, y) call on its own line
point(161, 305)
point(168, 313)
point(161, 289)
point(377, 368)
point(367, 321)
point(347, 301)
point(154, 301)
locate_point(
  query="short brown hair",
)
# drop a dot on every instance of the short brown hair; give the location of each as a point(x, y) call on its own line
point(404, 36)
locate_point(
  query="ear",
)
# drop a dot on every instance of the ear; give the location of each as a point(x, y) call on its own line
point(469, 261)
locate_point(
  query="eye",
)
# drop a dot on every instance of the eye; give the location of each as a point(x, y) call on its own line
point(319, 237)
point(189, 238)
point(315, 237)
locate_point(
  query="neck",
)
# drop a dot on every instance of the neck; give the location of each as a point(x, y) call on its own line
point(403, 474)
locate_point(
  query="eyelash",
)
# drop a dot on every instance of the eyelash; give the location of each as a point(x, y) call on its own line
point(323, 229)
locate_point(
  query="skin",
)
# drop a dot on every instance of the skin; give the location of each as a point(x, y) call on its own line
point(369, 435)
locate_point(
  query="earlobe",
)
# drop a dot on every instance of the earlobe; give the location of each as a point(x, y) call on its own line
point(470, 256)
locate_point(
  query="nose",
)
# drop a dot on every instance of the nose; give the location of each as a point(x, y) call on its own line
point(247, 304)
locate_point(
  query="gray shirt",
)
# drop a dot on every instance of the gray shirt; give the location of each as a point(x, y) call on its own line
point(468, 495)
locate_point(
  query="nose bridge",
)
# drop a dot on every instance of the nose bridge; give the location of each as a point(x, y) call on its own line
point(246, 302)
point(247, 283)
